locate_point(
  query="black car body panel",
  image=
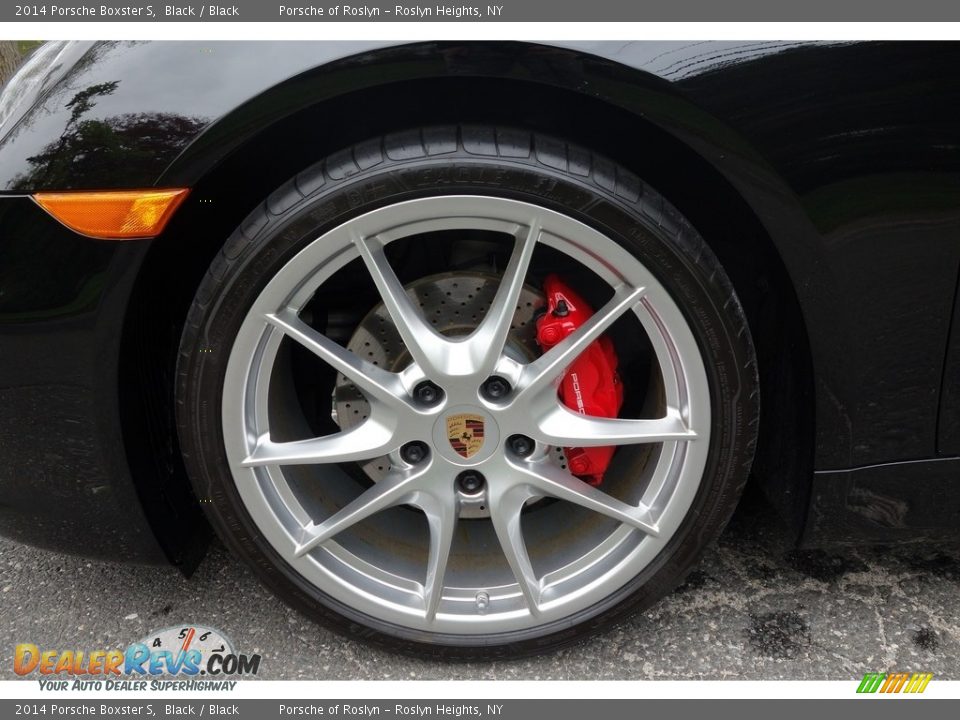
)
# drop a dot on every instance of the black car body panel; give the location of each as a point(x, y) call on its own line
point(65, 479)
point(846, 154)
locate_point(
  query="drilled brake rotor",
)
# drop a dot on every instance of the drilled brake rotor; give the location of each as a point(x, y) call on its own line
point(454, 303)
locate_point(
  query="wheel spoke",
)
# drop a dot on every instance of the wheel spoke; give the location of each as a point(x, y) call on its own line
point(422, 341)
point(555, 482)
point(368, 440)
point(549, 367)
point(442, 516)
point(489, 338)
point(505, 509)
point(372, 380)
point(564, 428)
point(395, 489)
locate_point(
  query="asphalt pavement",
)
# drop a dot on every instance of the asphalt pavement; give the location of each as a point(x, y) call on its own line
point(755, 609)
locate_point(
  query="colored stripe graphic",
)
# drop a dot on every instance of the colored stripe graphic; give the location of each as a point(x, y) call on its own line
point(890, 683)
point(871, 682)
point(922, 680)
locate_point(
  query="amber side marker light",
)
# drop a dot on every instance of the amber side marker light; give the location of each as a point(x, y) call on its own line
point(114, 214)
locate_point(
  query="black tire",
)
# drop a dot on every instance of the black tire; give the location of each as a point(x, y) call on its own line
point(471, 160)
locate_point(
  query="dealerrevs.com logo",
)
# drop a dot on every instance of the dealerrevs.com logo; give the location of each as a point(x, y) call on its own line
point(188, 653)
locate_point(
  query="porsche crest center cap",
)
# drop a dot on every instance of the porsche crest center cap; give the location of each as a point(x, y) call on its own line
point(465, 433)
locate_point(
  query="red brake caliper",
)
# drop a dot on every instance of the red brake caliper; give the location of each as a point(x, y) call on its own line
point(591, 385)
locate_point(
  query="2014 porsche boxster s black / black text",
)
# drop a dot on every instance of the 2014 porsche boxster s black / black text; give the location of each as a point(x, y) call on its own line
point(470, 348)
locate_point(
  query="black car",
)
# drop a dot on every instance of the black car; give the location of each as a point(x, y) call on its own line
point(470, 348)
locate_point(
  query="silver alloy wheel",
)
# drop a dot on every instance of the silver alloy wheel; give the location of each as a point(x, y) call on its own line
point(440, 599)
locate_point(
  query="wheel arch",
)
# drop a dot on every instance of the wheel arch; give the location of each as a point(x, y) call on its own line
point(227, 185)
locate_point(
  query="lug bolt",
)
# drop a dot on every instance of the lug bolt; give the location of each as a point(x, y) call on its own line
point(495, 388)
point(426, 393)
point(414, 452)
point(520, 445)
point(470, 482)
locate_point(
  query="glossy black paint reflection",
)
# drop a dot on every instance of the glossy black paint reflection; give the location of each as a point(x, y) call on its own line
point(125, 110)
point(122, 147)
